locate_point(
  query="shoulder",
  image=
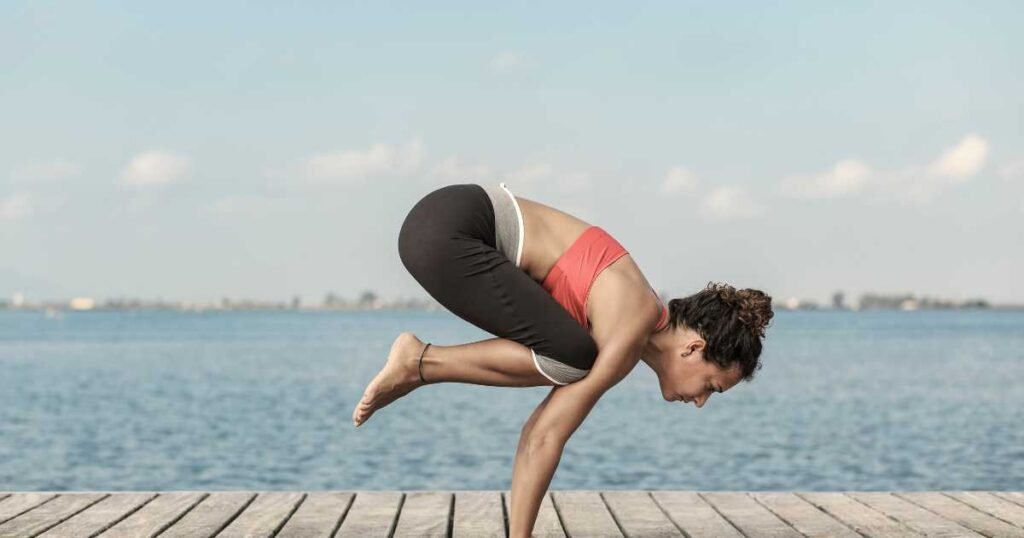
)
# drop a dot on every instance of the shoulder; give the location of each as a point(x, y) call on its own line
point(623, 314)
point(622, 301)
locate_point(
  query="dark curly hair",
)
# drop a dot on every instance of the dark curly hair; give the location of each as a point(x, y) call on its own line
point(731, 321)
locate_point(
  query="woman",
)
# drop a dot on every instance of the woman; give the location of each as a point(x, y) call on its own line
point(570, 308)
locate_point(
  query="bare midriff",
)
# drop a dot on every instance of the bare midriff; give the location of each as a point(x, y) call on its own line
point(547, 233)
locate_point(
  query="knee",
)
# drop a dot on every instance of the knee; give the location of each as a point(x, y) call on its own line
point(417, 247)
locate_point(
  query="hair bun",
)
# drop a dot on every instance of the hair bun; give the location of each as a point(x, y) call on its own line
point(753, 307)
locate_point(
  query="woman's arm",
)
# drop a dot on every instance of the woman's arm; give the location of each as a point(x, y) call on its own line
point(555, 420)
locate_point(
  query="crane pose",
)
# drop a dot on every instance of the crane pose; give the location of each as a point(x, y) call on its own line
point(569, 307)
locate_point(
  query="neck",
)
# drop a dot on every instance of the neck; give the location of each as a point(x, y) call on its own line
point(652, 350)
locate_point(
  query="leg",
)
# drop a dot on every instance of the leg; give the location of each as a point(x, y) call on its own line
point(495, 362)
point(448, 244)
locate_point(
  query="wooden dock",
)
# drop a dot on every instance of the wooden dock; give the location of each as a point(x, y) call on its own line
point(568, 514)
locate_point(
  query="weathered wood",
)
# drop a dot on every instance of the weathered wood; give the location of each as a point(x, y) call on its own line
point(618, 513)
point(748, 516)
point(638, 515)
point(264, 515)
point(478, 513)
point(210, 516)
point(862, 519)
point(1014, 496)
point(965, 515)
point(155, 516)
point(990, 504)
point(318, 516)
point(547, 524)
point(803, 516)
point(425, 513)
point(373, 513)
point(583, 513)
point(20, 503)
point(100, 516)
point(48, 515)
point(694, 515)
point(913, 516)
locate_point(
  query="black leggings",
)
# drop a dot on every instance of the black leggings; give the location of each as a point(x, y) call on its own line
point(447, 243)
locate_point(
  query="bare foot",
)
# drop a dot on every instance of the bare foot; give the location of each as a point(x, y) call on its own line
point(399, 377)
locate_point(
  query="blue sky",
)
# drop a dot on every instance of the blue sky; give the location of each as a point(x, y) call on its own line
point(199, 150)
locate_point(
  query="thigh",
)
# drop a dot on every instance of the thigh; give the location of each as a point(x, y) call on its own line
point(447, 244)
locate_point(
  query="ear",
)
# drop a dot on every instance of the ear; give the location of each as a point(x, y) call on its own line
point(695, 345)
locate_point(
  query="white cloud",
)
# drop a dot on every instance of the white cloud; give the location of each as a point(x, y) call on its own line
point(679, 180)
point(378, 160)
point(455, 170)
point(914, 184)
point(52, 171)
point(574, 182)
point(530, 173)
point(847, 177)
point(963, 161)
point(16, 206)
point(730, 203)
point(509, 62)
point(155, 168)
point(565, 182)
point(1012, 171)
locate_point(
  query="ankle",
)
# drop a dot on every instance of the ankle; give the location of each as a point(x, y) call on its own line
point(419, 364)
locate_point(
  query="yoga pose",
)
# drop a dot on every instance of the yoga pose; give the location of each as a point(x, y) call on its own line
point(569, 307)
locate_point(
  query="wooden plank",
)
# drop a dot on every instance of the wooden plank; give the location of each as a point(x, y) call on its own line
point(965, 515)
point(694, 515)
point(49, 514)
point(748, 516)
point(478, 513)
point(1014, 496)
point(996, 506)
point(156, 515)
point(373, 513)
point(20, 503)
point(638, 515)
point(210, 516)
point(547, 524)
point(318, 516)
point(802, 515)
point(860, 518)
point(913, 516)
point(100, 516)
point(264, 516)
point(425, 513)
point(583, 513)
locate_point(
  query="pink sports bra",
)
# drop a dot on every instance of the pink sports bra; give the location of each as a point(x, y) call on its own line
point(574, 272)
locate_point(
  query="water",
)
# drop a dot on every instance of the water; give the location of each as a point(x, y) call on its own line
point(263, 400)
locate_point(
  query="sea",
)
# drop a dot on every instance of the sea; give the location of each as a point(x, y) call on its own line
point(262, 400)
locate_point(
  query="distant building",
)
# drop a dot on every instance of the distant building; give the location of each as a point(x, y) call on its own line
point(793, 303)
point(839, 301)
point(369, 300)
point(82, 303)
point(907, 302)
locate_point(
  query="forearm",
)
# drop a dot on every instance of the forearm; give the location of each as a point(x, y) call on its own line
point(532, 471)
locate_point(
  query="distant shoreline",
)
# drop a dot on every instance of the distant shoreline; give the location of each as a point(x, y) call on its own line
point(52, 309)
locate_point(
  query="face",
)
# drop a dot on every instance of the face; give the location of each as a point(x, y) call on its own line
point(687, 377)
